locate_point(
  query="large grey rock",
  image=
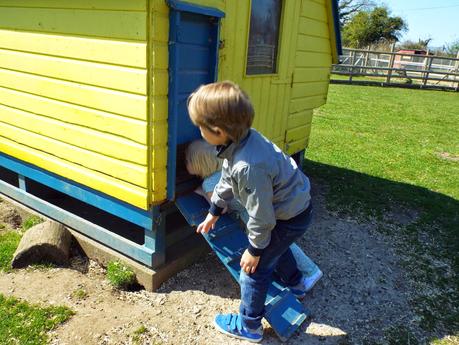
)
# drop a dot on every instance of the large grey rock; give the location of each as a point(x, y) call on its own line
point(46, 242)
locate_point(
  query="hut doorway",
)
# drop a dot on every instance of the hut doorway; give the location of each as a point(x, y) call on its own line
point(193, 61)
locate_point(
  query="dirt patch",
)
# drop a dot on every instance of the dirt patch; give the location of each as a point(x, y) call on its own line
point(363, 293)
point(10, 217)
point(448, 156)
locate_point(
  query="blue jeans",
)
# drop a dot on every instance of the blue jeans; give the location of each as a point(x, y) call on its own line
point(276, 258)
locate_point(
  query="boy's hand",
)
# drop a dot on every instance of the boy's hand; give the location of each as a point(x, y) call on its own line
point(249, 263)
point(207, 224)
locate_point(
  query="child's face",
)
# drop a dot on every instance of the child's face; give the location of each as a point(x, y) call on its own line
point(217, 137)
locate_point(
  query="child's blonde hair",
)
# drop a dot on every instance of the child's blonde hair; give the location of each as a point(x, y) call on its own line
point(224, 105)
point(202, 158)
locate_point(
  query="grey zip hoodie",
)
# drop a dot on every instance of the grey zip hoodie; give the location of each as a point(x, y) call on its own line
point(266, 181)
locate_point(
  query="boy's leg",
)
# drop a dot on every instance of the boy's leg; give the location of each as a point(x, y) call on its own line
point(304, 262)
point(247, 324)
point(287, 268)
point(254, 286)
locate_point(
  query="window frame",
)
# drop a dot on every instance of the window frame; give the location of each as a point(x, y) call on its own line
point(279, 46)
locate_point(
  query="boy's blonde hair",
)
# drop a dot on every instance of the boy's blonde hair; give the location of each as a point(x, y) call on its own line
point(202, 158)
point(224, 105)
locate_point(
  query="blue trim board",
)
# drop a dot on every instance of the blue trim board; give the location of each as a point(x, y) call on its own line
point(156, 239)
point(137, 252)
point(174, 22)
point(337, 26)
point(22, 182)
point(187, 7)
point(214, 61)
point(92, 197)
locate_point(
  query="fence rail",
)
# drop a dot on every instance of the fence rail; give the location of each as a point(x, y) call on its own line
point(394, 68)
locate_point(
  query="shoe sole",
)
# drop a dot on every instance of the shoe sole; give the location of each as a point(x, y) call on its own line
point(300, 297)
point(315, 281)
point(236, 336)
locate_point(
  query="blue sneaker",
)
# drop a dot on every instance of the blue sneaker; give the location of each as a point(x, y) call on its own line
point(305, 284)
point(231, 324)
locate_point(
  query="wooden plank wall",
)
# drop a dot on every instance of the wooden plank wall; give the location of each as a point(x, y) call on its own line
point(74, 91)
point(313, 59)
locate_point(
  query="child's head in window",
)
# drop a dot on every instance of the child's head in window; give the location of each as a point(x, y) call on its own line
point(201, 159)
point(221, 108)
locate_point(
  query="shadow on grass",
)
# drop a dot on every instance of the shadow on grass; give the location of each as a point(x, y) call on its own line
point(351, 191)
point(434, 230)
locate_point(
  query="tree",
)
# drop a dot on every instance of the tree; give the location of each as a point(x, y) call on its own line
point(419, 45)
point(452, 48)
point(348, 8)
point(372, 27)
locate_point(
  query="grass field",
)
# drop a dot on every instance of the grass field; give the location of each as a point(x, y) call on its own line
point(22, 323)
point(382, 151)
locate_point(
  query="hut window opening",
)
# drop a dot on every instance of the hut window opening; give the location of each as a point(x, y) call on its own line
point(263, 37)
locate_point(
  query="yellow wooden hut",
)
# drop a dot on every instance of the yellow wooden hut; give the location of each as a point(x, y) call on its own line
point(92, 97)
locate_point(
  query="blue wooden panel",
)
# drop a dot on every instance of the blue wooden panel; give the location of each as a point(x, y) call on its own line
point(198, 59)
point(194, 79)
point(22, 182)
point(195, 30)
point(174, 22)
point(283, 311)
point(193, 52)
point(194, 35)
point(193, 8)
point(156, 240)
point(102, 201)
point(102, 235)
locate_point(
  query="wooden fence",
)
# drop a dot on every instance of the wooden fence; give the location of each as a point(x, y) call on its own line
point(401, 69)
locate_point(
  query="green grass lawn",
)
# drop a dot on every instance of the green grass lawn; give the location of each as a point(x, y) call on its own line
point(22, 323)
point(380, 151)
point(9, 241)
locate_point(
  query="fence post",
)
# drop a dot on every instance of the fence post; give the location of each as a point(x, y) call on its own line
point(351, 70)
point(391, 63)
point(365, 61)
point(456, 70)
point(427, 65)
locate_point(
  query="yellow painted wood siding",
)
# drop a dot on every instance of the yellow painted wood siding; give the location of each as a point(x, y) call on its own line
point(74, 91)
point(313, 59)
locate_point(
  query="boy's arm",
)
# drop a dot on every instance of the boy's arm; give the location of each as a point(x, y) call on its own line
point(256, 193)
point(223, 192)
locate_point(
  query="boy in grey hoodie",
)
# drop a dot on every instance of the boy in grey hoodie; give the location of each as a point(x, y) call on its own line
point(269, 185)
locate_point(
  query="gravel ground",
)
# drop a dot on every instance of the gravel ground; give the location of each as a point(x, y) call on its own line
point(363, 293)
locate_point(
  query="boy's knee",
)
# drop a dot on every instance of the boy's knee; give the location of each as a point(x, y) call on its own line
point(244, 277)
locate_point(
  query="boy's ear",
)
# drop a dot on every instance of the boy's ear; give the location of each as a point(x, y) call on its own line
point(218, 130)
point(221, 133)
